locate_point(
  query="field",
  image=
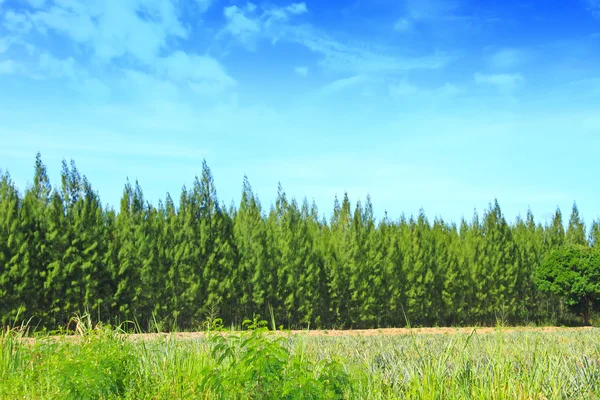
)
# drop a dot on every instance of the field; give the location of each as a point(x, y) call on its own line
point(445, 363)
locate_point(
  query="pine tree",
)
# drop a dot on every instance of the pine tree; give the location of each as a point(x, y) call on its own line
point(312, 293)
point(529, 240)
point(227, 258)
point(337, 241)
point(356, 267)
point(29, 267)
point(501, 265)
point(188, 259)
point(10, 241)
point(55, 283)
point(217, 253)
point(419, 269)
point(595, 234)
point(368, 267)
point(254, 272)
point(450, 272)
point(126, 300)
point(392, 297)
point(555, 233)
point(473, 255)
point(167, 253)
point(576, 230)
point(62, 253)
point(81, 269)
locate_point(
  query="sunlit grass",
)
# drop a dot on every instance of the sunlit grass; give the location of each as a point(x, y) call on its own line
point(97, 362)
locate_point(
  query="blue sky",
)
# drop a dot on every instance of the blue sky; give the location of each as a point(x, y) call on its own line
point(444, 105)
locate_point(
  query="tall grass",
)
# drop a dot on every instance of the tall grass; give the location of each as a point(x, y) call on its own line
point(96, 362)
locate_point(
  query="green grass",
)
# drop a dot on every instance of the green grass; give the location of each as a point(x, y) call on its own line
point(103, 363)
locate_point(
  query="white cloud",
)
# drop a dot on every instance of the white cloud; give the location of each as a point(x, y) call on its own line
point(406, 90)
point(204, 5)
point(284, 13)
point(434, 13)
point(430, 9)
point(4, 44)
point(364, 57)
point(507, 58)
point(341, 84)
point(204, 74)
point(241, 25)
point(403, 25)
point(147, 88)
point(79, 79)
point(112, 29)
point(247, 23)
point(56, 68)
point(593, 6)
point(36, 3)
point(403, 89)
point(504, 82)
point(297, 8)
point(302, 71)
point(141, 30)
point(8, 67)
point(16, 22)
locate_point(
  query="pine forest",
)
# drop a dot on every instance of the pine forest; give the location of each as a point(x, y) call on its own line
point(63, 253)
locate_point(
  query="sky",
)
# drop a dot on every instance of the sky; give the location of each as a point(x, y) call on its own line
point(443, 105)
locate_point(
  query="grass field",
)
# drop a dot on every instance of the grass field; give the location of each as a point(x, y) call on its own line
point(487, 363)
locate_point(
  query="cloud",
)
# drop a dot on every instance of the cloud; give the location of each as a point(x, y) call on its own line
point(504, 82)
point(341, 84)
point(57, 68)
point(302, 71)
point(204, 5)
point(284, 13)
point(241, 24)
point(403, 25)
point(507, 58)
point(248, 24)
point(8, 67)
point(79, 79)
point(112, 29)
point(139, 34)
point(297, 8)
point(430, 9)
point(437, 15)
point(4, 44)
point(593, 6)
point(36, 3)
point(146, 88)
point(406, 90)
point(203, 73)
point(361, 57)
point(16, 22)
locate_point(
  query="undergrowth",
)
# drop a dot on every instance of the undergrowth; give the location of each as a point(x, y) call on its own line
point(87, 361)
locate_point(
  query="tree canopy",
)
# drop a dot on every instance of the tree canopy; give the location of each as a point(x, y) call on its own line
point(573, 272)
point(168, 265)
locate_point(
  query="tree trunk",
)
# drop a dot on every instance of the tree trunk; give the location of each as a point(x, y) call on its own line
point(586, 318)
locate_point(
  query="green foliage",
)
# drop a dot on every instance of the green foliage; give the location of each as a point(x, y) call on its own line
point(96, 362)
point(258, 365)
point(166, 266)
point(573, 273)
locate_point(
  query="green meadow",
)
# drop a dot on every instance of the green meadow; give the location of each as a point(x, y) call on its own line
point(96, 362)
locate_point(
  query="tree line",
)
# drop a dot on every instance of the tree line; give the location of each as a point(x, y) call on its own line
point(169, 266)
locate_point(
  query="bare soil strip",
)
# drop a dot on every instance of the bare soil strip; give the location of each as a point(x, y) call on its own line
point(340, 333)
point(378, 332)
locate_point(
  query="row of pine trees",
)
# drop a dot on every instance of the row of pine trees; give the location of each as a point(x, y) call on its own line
point(63, 253)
